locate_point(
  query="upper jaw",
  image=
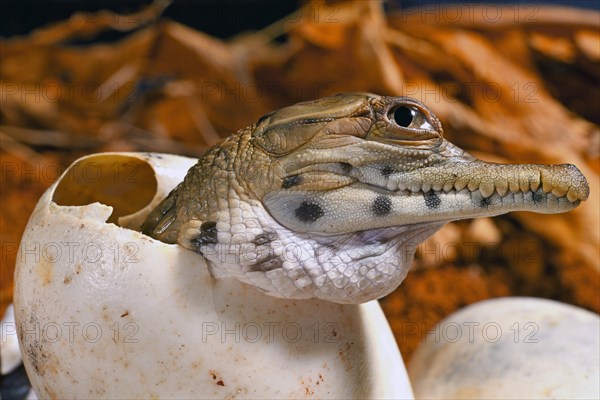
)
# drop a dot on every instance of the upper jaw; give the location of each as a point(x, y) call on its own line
point(444, 167)
point(458, 189)
point(438, 184)
point(563, 180)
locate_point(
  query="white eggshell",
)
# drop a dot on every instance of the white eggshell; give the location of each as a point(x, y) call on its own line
point(104, 311)
point(510, 348)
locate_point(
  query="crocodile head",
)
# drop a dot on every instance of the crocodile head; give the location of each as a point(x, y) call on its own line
point(329, 198)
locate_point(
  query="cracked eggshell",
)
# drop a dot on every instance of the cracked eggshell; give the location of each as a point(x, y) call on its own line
point(511, 348)
point(104, 311)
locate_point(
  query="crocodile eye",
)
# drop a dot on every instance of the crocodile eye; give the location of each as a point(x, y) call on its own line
point(410, 117)
point(404, 116)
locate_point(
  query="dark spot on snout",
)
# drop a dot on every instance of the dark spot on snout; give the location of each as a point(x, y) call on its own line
point(485, 203)
point(207, 235)
point(387, 171)
point(346, 168)
point(309, 211)
point(537, 197)
point(432, 200)
point(382, 206)
point(291, 181)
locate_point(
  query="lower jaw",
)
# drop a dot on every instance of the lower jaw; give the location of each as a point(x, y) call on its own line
point(410, 208)
point(363, 207)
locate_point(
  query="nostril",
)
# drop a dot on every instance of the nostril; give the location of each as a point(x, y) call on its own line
point(403, 116)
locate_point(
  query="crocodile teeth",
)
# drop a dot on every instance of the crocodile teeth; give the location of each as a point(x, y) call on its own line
point(415, 187)
point(502, 187)
point(524, 186)
point(547, 187)
point(486, 189)
point(473, 185)
point(461, 183)
point(571, 195)
point(558, 191)
point(513, 186)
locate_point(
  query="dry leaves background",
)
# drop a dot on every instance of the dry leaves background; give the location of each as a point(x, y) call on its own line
point(518, 84)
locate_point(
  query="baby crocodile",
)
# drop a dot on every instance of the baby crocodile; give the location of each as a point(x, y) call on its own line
point(329, 198)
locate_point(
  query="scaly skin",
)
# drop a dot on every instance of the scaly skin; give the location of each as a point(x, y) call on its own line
point(330, 198)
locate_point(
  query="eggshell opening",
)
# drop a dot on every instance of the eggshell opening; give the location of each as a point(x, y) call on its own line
point(103, 311)
point(127, 184)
